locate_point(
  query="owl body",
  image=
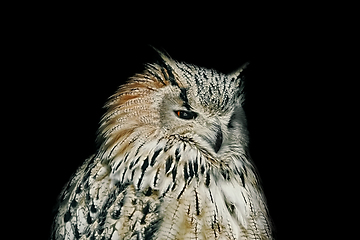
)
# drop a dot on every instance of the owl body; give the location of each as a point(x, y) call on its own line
point(172, 163)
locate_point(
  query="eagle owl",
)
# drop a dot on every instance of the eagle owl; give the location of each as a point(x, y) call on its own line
point(172, 163)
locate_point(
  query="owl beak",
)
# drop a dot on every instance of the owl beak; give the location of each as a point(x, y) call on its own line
point(219, 140)
point(215, 137)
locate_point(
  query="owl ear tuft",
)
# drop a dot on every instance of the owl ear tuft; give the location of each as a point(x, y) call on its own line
point(164, 56)
point(239, 81)
point(237, 73)
point(167, 67)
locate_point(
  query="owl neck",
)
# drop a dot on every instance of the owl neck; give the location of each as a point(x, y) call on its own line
point(170, 163)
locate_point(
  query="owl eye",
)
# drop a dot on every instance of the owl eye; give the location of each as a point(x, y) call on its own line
point(186, 114)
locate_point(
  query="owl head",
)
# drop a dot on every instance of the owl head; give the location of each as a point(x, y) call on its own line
point(175, 100)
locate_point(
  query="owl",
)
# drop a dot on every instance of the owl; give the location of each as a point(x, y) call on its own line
point(172, 163)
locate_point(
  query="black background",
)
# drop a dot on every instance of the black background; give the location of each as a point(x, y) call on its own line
point(75, 57)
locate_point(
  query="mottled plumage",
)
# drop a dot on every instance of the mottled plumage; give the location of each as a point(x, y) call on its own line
point(172, 163)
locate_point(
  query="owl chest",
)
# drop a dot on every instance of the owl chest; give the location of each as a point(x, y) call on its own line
point(198, 211)
point(181, 200)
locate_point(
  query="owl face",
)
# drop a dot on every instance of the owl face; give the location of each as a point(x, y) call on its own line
point(198, 106)
point(203, 106)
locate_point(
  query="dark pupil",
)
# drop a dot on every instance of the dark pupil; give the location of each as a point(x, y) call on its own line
point(186, 114)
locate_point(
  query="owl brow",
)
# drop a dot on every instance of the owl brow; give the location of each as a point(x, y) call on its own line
point(183, 96)
point(171, 77)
